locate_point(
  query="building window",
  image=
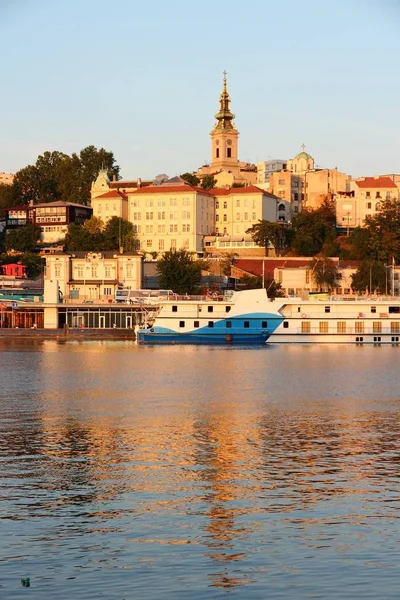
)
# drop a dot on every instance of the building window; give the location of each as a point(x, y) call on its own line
point(161, 244)
point(373, 309)
point(107, 291)
point(217, 204)
point(225, 218)
point(359, 327)
point(196, 324)
point(186, 244)
point(129, 270)
point(225, 205)
point(323, 327)
point(229, 152)
point(149, 243)
point(217, 153)
point(387, 195)
point(237, 203)
point(181, 323)
point(57, 270)
point(173, 244)
point(174, 308)
point(327, 309)
point(341, 327)
point(94, 271)
point(210, 308)
point(377, 195)
point(173, 228)
point(246, 216)
point(161, 216)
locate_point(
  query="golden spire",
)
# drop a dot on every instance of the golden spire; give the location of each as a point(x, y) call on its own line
point(224, 116)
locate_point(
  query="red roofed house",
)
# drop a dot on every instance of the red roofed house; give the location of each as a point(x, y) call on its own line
point(294, 273)
point(364, 199)
point(13, 270)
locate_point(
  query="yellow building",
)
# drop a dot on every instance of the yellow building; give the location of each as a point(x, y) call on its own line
point(363, 200)
point(169, 217)
point(94, 276)
point(6, 178)
point(237, 209)
point(225, 166)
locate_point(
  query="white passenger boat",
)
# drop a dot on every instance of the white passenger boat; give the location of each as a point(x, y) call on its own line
point(250, 317)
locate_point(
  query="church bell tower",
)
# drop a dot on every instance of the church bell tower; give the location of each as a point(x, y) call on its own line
point(224, 136)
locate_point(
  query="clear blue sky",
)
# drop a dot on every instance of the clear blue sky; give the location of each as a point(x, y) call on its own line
point(143, 79)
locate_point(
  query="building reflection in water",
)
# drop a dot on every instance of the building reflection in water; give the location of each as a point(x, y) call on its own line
point(187, 461)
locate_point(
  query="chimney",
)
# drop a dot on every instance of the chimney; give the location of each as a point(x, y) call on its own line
point(139, 183)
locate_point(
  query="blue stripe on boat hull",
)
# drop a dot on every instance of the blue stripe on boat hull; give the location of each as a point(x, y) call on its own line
point(199, 338)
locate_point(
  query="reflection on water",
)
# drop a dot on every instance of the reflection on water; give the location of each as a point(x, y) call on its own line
point(184, 471)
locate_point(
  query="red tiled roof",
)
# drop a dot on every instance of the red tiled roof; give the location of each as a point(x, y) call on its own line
point(19, 207)
point(250, 189)
point(220, 192)
point(109, 194)
point(255, 267)
point(376, 182)
point(172, 189)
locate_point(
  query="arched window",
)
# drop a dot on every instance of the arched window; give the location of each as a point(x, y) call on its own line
point(281, 207)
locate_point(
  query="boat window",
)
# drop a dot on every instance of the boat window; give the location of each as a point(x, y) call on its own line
point(210, 308)
point(394, 309)
point(229, 324)
point(264, 324)
point(211, 323)
point(174, 309)
point(196, 324)
point(246, 324)
point(373, 309)
point(377, 327)
point(327, 309)
point(286, 324)
point(227, 308)
point(181, 323)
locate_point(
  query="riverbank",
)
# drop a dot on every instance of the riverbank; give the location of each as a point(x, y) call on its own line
point(70, 333)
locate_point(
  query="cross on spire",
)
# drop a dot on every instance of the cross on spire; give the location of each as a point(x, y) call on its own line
point(303, 147)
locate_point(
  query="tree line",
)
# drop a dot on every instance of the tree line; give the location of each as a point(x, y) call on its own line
point(58, 176)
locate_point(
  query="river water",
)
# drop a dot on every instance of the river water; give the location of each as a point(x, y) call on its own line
point(195, 472)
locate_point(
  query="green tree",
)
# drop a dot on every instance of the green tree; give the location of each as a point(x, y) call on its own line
point(236, 184)
point(94, 225)
point(23, 239)
point(191, 178)
point(208, 182)
point(180, 271)
point(324, 273)
point(119, 233)
point(226, 262)
point(34, 264)
point(314, 231)
point(273, 289)
point(58, 176)
point(6, 199)
point(265, 233)
point(371, 276)
point(79, 238)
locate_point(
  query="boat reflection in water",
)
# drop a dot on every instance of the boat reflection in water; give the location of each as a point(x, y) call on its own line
point(223, 467)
